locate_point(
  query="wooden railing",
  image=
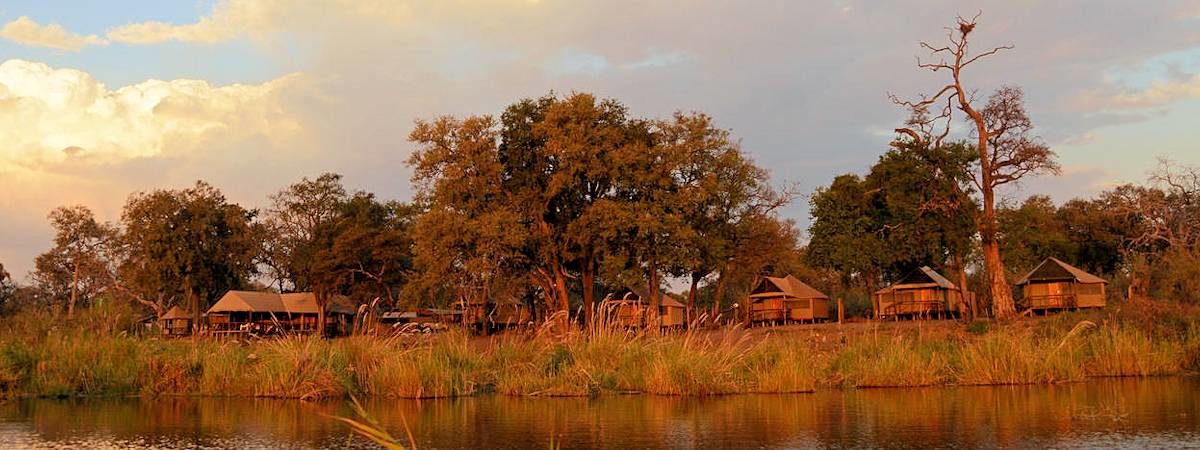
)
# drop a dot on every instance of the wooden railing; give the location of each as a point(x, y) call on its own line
point(914, 307)
point(1049, 301)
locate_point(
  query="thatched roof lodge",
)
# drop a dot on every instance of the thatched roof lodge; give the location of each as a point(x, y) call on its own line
point(923, 293)
point(780, 300)
point(1054, 284)
point(631, 308)
point(271, 313)
point(176, 322)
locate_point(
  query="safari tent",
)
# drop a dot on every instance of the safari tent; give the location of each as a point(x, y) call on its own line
point(176, 322)
point(787, 299)
point(923, 293)
point(271, 313)
point(1054, 284)
point(631, 308)
point(497, 312)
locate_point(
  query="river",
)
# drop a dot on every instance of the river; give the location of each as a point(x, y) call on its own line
point(1145, 413)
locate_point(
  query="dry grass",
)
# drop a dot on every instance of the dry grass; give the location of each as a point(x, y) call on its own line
point(97, 355)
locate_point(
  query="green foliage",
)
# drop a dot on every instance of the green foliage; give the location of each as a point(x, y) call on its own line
point(572, 187)
point(79, 266)
point(1033, 232)
point(912, 209)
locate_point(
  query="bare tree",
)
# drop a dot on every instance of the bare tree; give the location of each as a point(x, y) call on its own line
point(1003, 137)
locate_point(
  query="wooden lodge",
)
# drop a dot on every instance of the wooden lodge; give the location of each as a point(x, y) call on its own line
point(787, 299)
point(494, 313)
point(923, 293)
point(176, 322)
point(242, 312)
point(631, 308)
point(1056, 285)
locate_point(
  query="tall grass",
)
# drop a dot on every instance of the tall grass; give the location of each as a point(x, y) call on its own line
point(103, 352)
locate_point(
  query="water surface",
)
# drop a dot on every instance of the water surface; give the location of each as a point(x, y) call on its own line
point(1156, 413)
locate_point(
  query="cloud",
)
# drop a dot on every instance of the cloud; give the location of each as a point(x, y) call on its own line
point(663, 59)
point(28, 32)
point(1158, 94)
point(69, 139)
point(48, 116)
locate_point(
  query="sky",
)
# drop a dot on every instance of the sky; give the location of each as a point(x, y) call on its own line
point(99, 100)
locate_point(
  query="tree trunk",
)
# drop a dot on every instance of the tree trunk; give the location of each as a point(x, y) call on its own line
point(193, 302)
point(589, 295)
point(561, 294)
point(719, 292)
point(691, 301)
point(968, 304)
point(322, 299)
point(74, 292)
point(653, 292)
point(1002, 301)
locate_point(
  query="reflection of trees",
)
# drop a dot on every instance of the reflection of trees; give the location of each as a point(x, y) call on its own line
point(965, 417)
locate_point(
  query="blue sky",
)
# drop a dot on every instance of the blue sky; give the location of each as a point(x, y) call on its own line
point(254, 94)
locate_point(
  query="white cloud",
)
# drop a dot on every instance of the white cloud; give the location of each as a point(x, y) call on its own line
point(28, 32)
point(1157, 94)
point(50, 115)
point(69, 139)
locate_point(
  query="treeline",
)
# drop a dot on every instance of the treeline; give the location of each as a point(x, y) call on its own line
point(555, 202)
point(908, 211)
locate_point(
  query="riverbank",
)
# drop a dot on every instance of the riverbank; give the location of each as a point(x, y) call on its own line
point(96, 355)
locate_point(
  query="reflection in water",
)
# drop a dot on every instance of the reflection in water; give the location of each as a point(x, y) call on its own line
point(1161, 412)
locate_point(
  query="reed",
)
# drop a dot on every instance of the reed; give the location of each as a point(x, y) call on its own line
point(47, 356)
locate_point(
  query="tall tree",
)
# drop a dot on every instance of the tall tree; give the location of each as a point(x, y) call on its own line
point(720, 192)
point(78, 267)
point(369, 243)
point(1033, 232)
point(295, 251)
point(579, 136)
point(295, 215)
point(1003, 138)
point(473, 235)
point(1165, 236)
point(843, 234)
point(190, 243)
point(924, 207)
point(1096, 233)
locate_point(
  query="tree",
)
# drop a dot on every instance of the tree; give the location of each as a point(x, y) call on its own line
point(843, 232)
point(718, 191)
point(577, 138)
point(78, 267)
point(1003, 139)
point(472, 235)
point(924, 207)
point(760, 245)
point(538, 187)
point(1165, 231)
point(1096, 233)
point(294, 252)
point(368, 241)
point(295, 215)
point(1033, 232)
point(8, 289)
point(189, 243)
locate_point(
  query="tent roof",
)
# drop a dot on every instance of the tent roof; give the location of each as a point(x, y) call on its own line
point(291, 303)
point(789, 286)
point(1054, 269)
point(920, 278)
point(175, 313)
point(639, 294)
